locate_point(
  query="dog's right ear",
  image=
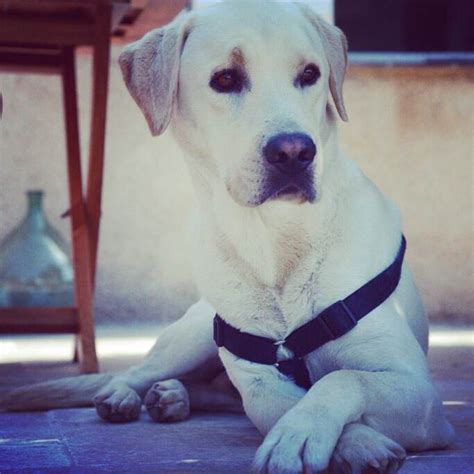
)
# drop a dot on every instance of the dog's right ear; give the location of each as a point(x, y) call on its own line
point(334, 42)
point(150, 68)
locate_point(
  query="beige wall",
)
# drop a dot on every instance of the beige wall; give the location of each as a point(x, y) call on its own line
point(411, 130)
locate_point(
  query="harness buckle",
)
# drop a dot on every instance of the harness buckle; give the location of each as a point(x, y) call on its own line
point(338, 319)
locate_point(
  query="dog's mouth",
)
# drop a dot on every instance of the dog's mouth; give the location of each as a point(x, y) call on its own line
point(289, 193)
point(297, 191)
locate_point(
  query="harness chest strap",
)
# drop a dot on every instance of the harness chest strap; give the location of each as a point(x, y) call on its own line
point(332, 323)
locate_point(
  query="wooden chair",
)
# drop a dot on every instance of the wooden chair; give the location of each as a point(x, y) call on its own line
point(40, 36)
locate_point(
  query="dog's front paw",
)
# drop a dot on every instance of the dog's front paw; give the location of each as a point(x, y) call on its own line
point(364, 450)
point(168, 401)
point(118, 404)
point(295, 445)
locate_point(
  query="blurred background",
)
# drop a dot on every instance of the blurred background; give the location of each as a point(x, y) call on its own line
point(410, 98)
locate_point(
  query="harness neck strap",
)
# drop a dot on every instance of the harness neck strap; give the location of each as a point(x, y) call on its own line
point(332, 323)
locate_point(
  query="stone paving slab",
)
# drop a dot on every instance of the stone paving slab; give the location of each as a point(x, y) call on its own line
point(204, 443)
point(75, 440)
point(28, 440)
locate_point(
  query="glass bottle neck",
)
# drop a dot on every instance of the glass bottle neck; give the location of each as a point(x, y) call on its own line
point(35, 215)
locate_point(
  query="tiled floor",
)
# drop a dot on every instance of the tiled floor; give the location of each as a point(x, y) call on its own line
point(77, 441)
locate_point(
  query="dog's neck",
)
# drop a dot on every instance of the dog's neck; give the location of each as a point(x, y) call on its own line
point(273, 238)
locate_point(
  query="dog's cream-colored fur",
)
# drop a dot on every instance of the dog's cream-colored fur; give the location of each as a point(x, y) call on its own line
point(268, 265)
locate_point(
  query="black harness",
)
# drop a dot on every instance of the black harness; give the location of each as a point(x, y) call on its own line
point(333, 322)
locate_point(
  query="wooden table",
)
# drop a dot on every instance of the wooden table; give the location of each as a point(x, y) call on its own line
point(40, 36)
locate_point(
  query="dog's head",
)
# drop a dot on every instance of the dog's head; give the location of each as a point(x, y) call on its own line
point(246, 86)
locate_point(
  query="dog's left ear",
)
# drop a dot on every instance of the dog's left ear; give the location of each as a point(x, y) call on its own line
point(150, 69)
point(335, 45)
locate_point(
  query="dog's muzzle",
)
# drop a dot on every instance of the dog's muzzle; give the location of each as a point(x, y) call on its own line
point(288, 158)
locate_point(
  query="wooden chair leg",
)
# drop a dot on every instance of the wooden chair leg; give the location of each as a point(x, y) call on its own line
point(100, 78)
point(79, 222)
point(75, 357)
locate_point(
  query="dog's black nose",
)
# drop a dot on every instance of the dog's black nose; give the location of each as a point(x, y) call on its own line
point(290, 152)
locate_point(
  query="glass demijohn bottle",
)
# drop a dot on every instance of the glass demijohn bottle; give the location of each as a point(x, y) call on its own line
point(35, 267)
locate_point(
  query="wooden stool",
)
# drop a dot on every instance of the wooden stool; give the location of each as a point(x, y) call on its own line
point(41, 37)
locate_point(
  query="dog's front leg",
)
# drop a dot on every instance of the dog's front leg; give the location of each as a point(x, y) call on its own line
point(401, 406)
point(181, 347)
point(266, 394)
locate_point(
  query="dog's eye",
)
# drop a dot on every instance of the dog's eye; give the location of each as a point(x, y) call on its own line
point(227, 81)
point(309, 76)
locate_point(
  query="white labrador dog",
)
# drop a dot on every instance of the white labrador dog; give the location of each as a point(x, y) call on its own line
point(286, 226)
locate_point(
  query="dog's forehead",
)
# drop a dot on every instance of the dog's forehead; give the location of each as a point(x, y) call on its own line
point(256, 29)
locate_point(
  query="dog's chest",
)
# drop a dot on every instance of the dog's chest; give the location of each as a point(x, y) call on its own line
point(241, 294)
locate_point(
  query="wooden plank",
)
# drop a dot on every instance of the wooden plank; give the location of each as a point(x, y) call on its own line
point(40, 312)
point(19, 320)
point(56, 21)
point(29, 60)
point(45, 31)
point(41, 4)
point(54, 6)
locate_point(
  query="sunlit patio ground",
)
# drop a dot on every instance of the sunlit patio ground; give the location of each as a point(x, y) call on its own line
point(75, 440)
